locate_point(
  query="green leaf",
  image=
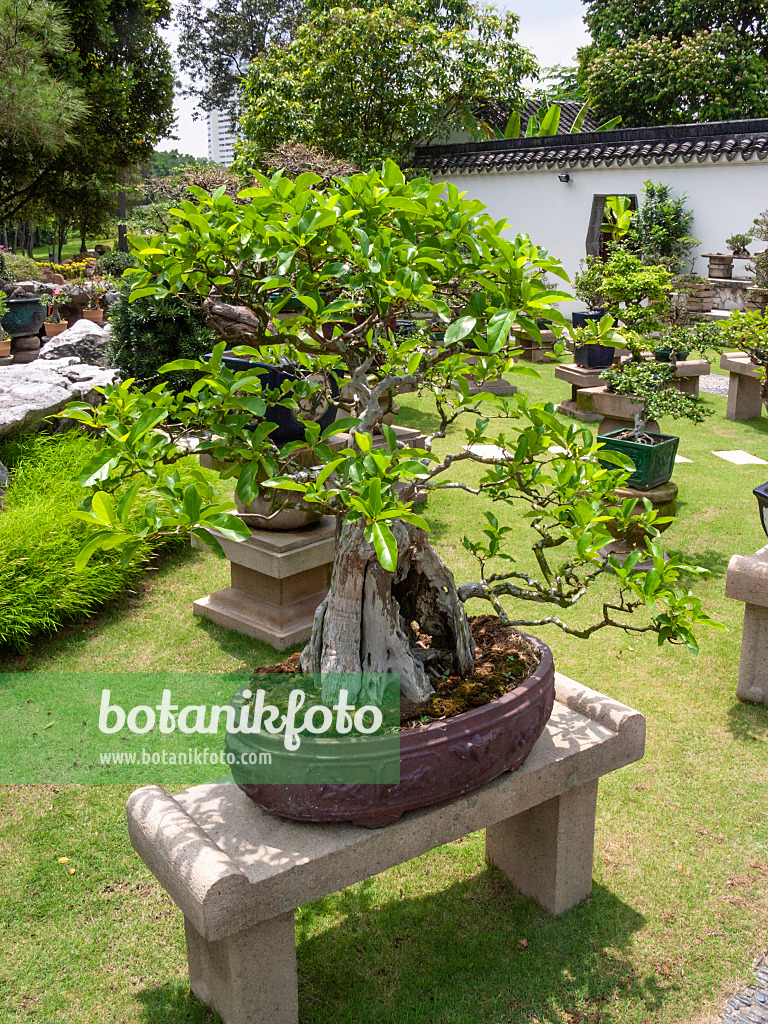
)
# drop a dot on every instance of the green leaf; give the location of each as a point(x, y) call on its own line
point(385, 546)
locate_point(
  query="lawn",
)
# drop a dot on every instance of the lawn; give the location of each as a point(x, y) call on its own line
point(71, 249)
point(678, 908)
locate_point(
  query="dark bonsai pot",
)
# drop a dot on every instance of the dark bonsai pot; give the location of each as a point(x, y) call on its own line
point(439, 761)
point(654, 463)
point(581, 319)
point(761, 493)
point(24, 317)
point(288, 428)
point(598, 357)
point(670, 355)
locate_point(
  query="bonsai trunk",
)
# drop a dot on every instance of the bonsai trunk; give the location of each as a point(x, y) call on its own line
point(369, 620)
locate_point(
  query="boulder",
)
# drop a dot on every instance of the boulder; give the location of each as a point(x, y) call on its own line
point(26, 289)
point(84, 340)
point(29, 393)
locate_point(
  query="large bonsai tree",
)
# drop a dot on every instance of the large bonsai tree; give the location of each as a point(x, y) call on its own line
point(348, 261)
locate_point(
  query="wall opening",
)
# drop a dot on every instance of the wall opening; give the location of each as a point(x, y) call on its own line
point(597, 239)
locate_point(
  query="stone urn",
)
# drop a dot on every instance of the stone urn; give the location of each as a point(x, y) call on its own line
point(25, 317)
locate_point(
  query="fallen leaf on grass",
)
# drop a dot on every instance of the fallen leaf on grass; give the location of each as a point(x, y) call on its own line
point(63, 860)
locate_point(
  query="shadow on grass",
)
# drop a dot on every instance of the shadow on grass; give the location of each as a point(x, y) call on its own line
point(748, 722)
point(247, 648)
point(455, 955)
point(715, 561)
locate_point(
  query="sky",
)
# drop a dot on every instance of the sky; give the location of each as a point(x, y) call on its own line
point(553, 29)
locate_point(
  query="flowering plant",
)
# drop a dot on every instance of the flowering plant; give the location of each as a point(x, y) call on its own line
point(51, 303)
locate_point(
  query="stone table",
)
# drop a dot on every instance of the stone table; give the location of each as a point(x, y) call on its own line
point(238, 873)
point(744, 387)
point(747, 581)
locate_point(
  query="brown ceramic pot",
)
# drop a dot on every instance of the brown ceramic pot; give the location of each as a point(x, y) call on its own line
point(439, 761)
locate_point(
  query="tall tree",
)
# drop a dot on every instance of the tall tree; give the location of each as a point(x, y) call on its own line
point(365, 81)
point(674, 61)
point(37, 109)
point(218, 42)
point(122, 67)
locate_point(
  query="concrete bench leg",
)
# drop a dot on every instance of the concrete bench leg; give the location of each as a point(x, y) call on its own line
point(547, 851)
point(250, 977)
point(744, 401)
point(753, 672)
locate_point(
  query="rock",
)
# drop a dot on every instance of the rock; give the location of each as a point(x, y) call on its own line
point(84, 340)
point(110, 298)
point(26, 289)
point(24, 357)
point(28, 394)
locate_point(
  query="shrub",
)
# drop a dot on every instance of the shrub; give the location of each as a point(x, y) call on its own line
point(39, 539)
point(661, 228)
point(150, 332)
point(68, 270)
point(115, 263)
point(21, 268)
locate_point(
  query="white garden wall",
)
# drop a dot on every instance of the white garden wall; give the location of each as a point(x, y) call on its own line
point(725, 197)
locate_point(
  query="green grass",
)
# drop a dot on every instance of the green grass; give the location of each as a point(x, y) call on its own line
point(678, 908)
point(71, 249)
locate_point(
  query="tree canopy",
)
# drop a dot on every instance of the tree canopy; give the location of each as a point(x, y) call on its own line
point(677, 61)
point(218, 42)
point(365, 81)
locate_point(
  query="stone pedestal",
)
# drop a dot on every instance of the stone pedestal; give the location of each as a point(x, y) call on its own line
point(616, 412)
point(278, 580)
point(578, 377)
point(744, 387)
point(747, 581)
point(534, 352)
point(664, 501)
point(25, 349)
point(238, 873)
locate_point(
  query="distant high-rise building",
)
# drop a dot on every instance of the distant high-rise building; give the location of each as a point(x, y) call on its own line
point(221, 139)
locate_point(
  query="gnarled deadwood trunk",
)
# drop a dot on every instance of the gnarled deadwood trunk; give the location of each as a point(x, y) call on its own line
point(368, 622)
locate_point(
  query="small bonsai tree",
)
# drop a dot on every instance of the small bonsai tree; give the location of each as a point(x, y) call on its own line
point(587, 282)
point(353, 258)
point(738, 244)
point(652, 384)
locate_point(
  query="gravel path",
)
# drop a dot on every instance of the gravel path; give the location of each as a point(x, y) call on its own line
point(714, 384)
point(751, 1005)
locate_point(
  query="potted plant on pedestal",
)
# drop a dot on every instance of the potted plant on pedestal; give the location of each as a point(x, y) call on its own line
point(393, 607)
point(586, 285)
point(652, 454)
point(748, 332)
point(591, 343)
point(54, 324)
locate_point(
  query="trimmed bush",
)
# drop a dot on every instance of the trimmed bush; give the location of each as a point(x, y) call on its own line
point(150, 332)
point(115, 263)
point(40, 591)
point(20, 268)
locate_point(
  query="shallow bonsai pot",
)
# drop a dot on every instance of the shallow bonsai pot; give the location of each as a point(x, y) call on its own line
point(24, 318)
point(761, 493)
point(439, 761)
point(51, 330)
point(654, 464)
point(288, 428)
point(258, 514)
point(581, 319)
point(670, 355)
point(598, 357)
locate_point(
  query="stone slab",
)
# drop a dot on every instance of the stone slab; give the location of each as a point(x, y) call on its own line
point(228, 865)
point(747, 579)
point(30, 393)
point(738, 457)
point(570, 408)
point(739, 363)
point(279, 627)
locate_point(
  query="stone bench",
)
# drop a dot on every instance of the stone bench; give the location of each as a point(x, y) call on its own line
point(238, 874)
point(744, 387)
point(747, 581)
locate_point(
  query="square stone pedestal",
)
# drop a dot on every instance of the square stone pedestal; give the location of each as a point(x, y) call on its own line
point(278, 580)
point(744, 387)
point(535, 352)
point(578, 377)
point(747, 581)
point(238, 873)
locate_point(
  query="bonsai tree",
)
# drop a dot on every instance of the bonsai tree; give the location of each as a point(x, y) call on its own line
point(653, 385)
point(348, 261)
point(738, 244)
point(587, 282)
point(52, 301)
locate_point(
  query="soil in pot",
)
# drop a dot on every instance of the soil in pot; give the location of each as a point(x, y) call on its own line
point(467, 733)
